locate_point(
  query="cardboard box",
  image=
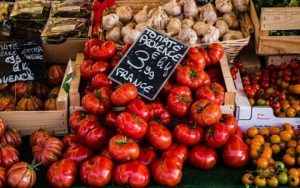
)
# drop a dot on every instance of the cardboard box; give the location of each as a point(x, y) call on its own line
point(259, 116)
point(54, 121)
point(227, 108)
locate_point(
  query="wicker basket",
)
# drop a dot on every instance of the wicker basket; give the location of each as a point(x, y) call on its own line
point(231, 47)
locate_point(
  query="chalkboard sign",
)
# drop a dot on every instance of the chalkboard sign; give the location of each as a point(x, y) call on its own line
point(21, 60)
point(149, 62)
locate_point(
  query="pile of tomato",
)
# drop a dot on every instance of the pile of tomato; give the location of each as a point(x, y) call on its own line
point(275, 151)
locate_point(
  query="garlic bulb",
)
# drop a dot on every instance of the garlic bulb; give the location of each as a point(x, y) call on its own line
point(188, 36)
point(208, 13)
point(159, 19)
point(172, 8)
point(212, 35)
point(131, 37)
point(141, 16)
point(127, 29)
point(222, 26)
point(109, 21)
point(223, 6)
point(241, 5)
point(114, 34)
point(173, 27)
point(233, 35)
point(231, 20)
point(187, 23)
point(124, 13)
point(189, 8)
point(201, 28)
point(142, 26)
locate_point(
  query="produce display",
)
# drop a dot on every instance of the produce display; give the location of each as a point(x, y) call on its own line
point(33, 95)
point(184, 20)
point(5, 26)
point(274, 86)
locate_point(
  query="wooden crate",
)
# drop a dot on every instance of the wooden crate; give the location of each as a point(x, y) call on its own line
point(227, 108)
point(287, 18)
point(28, 121)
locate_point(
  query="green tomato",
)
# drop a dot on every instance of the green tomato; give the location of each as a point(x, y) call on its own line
point(261, 102)
point(279, 165)
point(282, 178)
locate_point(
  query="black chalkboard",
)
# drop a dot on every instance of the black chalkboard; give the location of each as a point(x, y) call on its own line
point(21, 60)
point(149, 62)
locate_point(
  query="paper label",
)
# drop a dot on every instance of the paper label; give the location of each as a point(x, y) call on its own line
point(69, 9)
point(63, 28)
point(32, 10)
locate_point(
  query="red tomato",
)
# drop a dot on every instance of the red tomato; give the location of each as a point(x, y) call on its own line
point(195, 59)
point(98, 102)
point(234, 70)
point(48, 150)
point(206, 57)
point(96, 172)
point(146, 156)
point(86, 69)
point(157, 111)
point(104, 52)
point(239, 64)
point(235, 153)
point(159, 136)
point(239, 133)
point(123, 149)
point(230, 122)
point(133, 173)
point(100, 67)
point(101, 80)
point(213, 92)
point(93, 134)
point(215, 52)
point(111, 119)
point(11, 137)
point(104, 152)
point(20, 89)
point(21, 175)
point(125, 93)
point(207, 79)
point(167, 88)
point(89, 44)
point(131, 125)
point(203, 157)
point(167, 171)
point(78, 152)
point(3, 177)
point(177, 150)
point(205, 113)
point(37, 136)
point(62, 173)
point(179, 100)
point(139, 108)
point(70, 140)
point(8, 156)
point(217, 135)
point(191, 77)
point(79, 116)
point(3, 127)
point(188, 134)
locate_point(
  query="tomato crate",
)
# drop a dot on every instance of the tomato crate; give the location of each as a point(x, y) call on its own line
point(227, 108)
point(55, 121)
point(276, 18)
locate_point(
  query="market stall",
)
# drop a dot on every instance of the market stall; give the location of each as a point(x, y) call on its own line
point(153, 93)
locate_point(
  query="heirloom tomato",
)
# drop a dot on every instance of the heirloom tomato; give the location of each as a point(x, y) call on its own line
point(8, 156)
point(101, 80)
point(80, 117)
point(78, 153)
point(123, 94)
point(55, 74)
point(195, 59)
point(11, 137)
point(217, 135)
point(179, 151)
point(213, 92)
point(50, 104)
point(215, 52)
point(158, 112)
point(7, 101)
point(20, 89)
point(30, 103)
point(203, 157)
point(191, 77)
point(139, 108)
point(179, 100)
point(158, 135)
point(188, 134)
point(89, 69)
point(3, 127)
point(3, 177)
point(37, 136)
point(104, 52)
point(89, 44)
point(111, 120)
point(70, 140)
point(146, 156)
point(230, 122)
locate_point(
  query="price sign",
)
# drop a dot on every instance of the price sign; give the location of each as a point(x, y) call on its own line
point(149, 62)
point(21, 60)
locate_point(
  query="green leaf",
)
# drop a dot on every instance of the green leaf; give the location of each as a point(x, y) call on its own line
point(66, 87)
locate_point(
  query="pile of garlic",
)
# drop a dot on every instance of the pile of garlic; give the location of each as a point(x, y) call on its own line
point(182, 19)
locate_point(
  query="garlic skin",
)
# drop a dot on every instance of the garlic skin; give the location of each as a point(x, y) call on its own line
point(124, 13)
point(207, 13)
point(233, 35)
point(241, 5)
point(172, 8)
point(212, 35)
point(188, 36)
point(141, 16)
point(222, 26)
point(231, 20)
point(173, 27)
point(223, 6)
point(201, 28)
point(187, 23)
point(114, 34)
point(109, 21)
point(142, 26)
point(131, 37)
point(189, 8)
point(159, 19)
point(127, 29)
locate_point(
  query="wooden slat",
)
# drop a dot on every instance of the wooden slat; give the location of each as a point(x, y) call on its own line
point(272, 45)
point(256, 23)
point(275, 18)
point(74, 87)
